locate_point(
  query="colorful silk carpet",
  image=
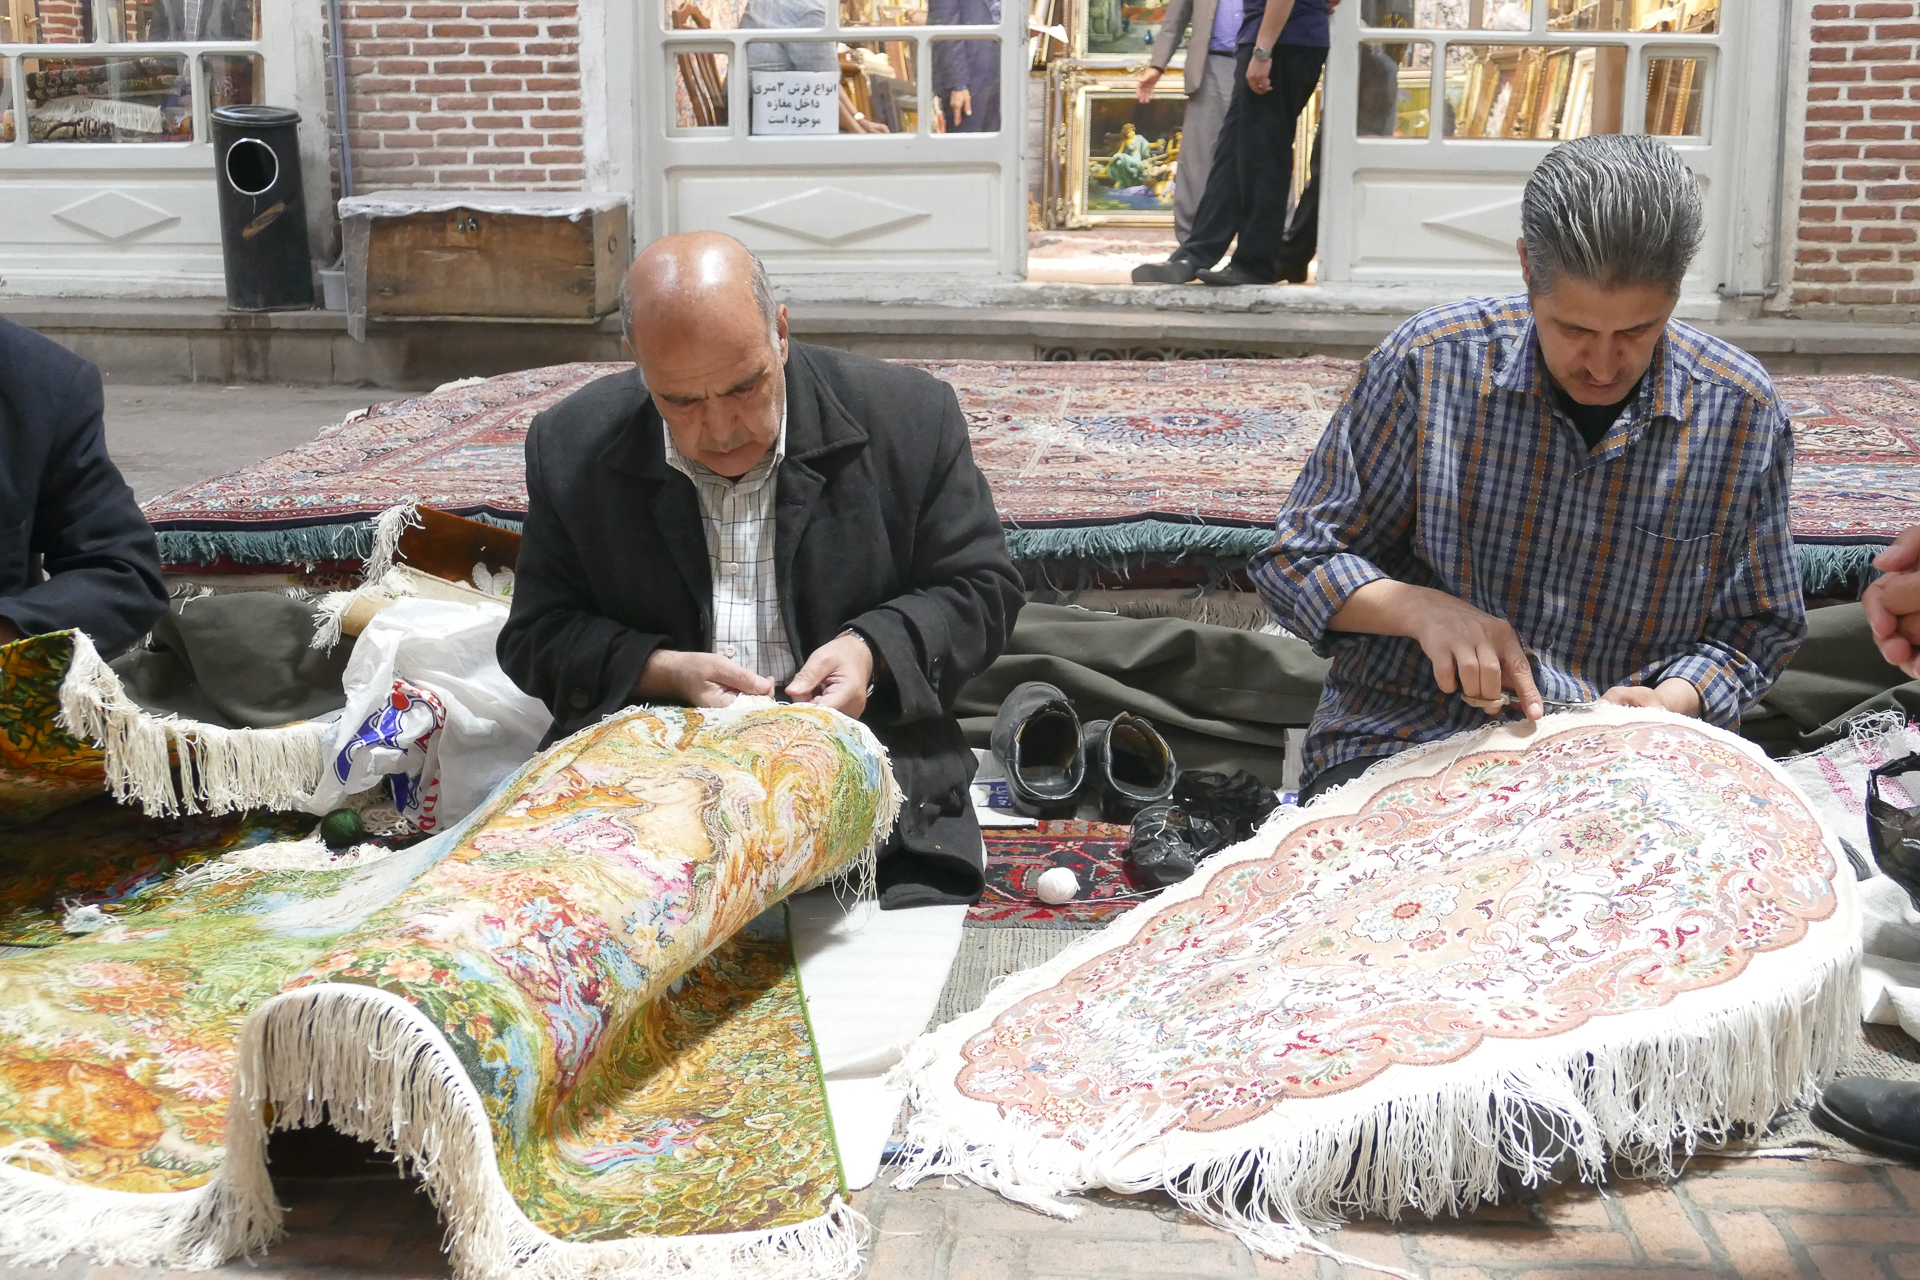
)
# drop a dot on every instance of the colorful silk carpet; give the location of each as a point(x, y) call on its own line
point(43, 768)
point(1017, 856)
point(1602, 939)
point(1124, 464)
point(572, 1014)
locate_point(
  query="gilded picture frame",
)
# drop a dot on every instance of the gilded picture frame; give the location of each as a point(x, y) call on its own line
point(1114, 159)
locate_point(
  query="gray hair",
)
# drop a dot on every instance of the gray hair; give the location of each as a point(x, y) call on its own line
point(1611, 210)
point(762, 298)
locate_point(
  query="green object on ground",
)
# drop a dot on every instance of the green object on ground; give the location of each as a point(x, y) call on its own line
point(342, 828)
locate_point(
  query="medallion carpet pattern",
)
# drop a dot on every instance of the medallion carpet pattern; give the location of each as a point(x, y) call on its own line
point(1070, 449)
point(1611, 934)
point(574, 1011)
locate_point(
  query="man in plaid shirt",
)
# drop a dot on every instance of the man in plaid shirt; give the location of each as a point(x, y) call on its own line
point(1561, 496)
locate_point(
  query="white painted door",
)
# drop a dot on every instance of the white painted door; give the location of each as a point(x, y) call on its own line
point(106, 160)
point(1441, 108)
point(760, 118)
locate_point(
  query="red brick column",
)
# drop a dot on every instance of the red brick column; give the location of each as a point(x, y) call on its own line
point(1856, 253)
point(464, 95)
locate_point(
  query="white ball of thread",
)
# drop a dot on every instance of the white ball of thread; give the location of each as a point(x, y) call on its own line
point(1057, 885)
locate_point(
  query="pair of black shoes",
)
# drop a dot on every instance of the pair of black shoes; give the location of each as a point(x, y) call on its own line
point(1054, 763)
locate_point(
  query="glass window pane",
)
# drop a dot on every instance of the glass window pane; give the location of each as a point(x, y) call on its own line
point(1674, 95)
point(50, 21)
point(805, 15)
point(965, 81)
point(1448, 15)
point(234, 78)
point(881, 81)
point(1396, 83)
point(700, 90)
point(137, 20)
point(8, 130)
point(885, 13)
point(1688, 17)
point(794, 86)
point(1532, 92)
point(109, 99)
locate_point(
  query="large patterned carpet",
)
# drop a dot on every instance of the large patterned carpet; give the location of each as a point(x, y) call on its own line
point(1122, 464)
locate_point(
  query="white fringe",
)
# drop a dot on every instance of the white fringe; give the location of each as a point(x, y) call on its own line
point(1646, 1106)
point(387, 528)
point(219, 770)
point(366, 1062)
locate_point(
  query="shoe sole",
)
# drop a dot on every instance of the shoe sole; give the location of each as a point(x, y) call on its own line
point(1876, 1143)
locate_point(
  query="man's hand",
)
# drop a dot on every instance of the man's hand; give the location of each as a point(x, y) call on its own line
point(1143, 91)
point(8, 632)
point(960, 102)
point(1893, 603)
point(696, 679)
point(1260, 75)
point(837, 676)
point(1675, 695)
point(1474, 654)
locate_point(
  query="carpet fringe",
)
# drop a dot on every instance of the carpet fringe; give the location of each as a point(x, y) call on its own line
point(172, 766)
point(369, 1064)
point(1644, 1106)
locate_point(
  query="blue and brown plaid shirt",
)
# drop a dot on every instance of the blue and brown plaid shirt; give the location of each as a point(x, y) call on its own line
point(1662, 552)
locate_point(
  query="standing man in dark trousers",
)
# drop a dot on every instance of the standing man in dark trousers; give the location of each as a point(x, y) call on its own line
point(966, 73)
point(1209, 80)
point(1281, 49)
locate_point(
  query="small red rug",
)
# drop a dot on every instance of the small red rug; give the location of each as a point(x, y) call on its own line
point(1094, 851)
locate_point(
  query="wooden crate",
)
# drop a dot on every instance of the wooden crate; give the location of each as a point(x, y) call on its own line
point(499, 255)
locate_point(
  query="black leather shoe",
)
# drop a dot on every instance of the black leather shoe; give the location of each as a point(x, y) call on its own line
point(1172, 271)
point(1037, 739)
point(1881, 1116)
point(1231, 275)
point(1129, 765)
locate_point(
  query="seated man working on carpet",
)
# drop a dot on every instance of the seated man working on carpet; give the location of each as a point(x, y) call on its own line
point(1566, 494)
point(742, 514)
point(75, 552)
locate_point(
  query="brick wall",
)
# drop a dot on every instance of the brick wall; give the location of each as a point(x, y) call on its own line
point(62, 22)
point(1858, 250)
point(464, 95)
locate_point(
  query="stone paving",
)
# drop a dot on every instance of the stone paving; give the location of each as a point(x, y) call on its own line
point(1730, 1219)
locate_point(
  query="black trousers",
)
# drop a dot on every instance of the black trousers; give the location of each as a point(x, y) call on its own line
point(1253, 167)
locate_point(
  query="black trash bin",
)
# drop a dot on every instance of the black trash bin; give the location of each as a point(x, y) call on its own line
point(263, 214)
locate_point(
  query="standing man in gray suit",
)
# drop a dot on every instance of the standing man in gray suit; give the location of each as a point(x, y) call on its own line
point(1216, 26)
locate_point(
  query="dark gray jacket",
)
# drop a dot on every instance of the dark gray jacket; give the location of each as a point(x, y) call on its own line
point(883, 524)
point(63, 505)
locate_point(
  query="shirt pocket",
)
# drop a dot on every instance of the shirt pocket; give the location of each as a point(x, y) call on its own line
point(1659, 588)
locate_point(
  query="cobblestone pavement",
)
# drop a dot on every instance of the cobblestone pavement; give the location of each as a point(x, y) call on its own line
point(1746, 1219)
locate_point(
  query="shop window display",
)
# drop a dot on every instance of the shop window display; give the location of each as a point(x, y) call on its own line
point(1535, 92)
point(145, 99)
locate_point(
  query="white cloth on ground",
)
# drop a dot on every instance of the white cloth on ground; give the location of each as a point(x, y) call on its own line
point(872, 980)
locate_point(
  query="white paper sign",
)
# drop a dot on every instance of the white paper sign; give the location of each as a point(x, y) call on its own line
point(796, 101)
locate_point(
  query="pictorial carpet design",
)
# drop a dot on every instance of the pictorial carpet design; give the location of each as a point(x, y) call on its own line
point(1016, 856)
point(42, 766)
point(571, 1011)
point(1128, 462)
point(1612, 933)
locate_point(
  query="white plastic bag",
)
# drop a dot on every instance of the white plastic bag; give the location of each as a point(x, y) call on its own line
point(429, 706)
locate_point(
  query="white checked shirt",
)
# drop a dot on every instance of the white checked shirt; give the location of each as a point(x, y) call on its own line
point(738, 518)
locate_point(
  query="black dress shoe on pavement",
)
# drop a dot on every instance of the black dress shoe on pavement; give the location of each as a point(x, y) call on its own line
point(1881, 1116)
point(1036, 736)
point(1129, 765)
point(1230, 275)
point(1172, 271)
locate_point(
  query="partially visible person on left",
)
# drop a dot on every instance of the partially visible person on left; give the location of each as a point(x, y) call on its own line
point(75, 552)
point(1880, 1115)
